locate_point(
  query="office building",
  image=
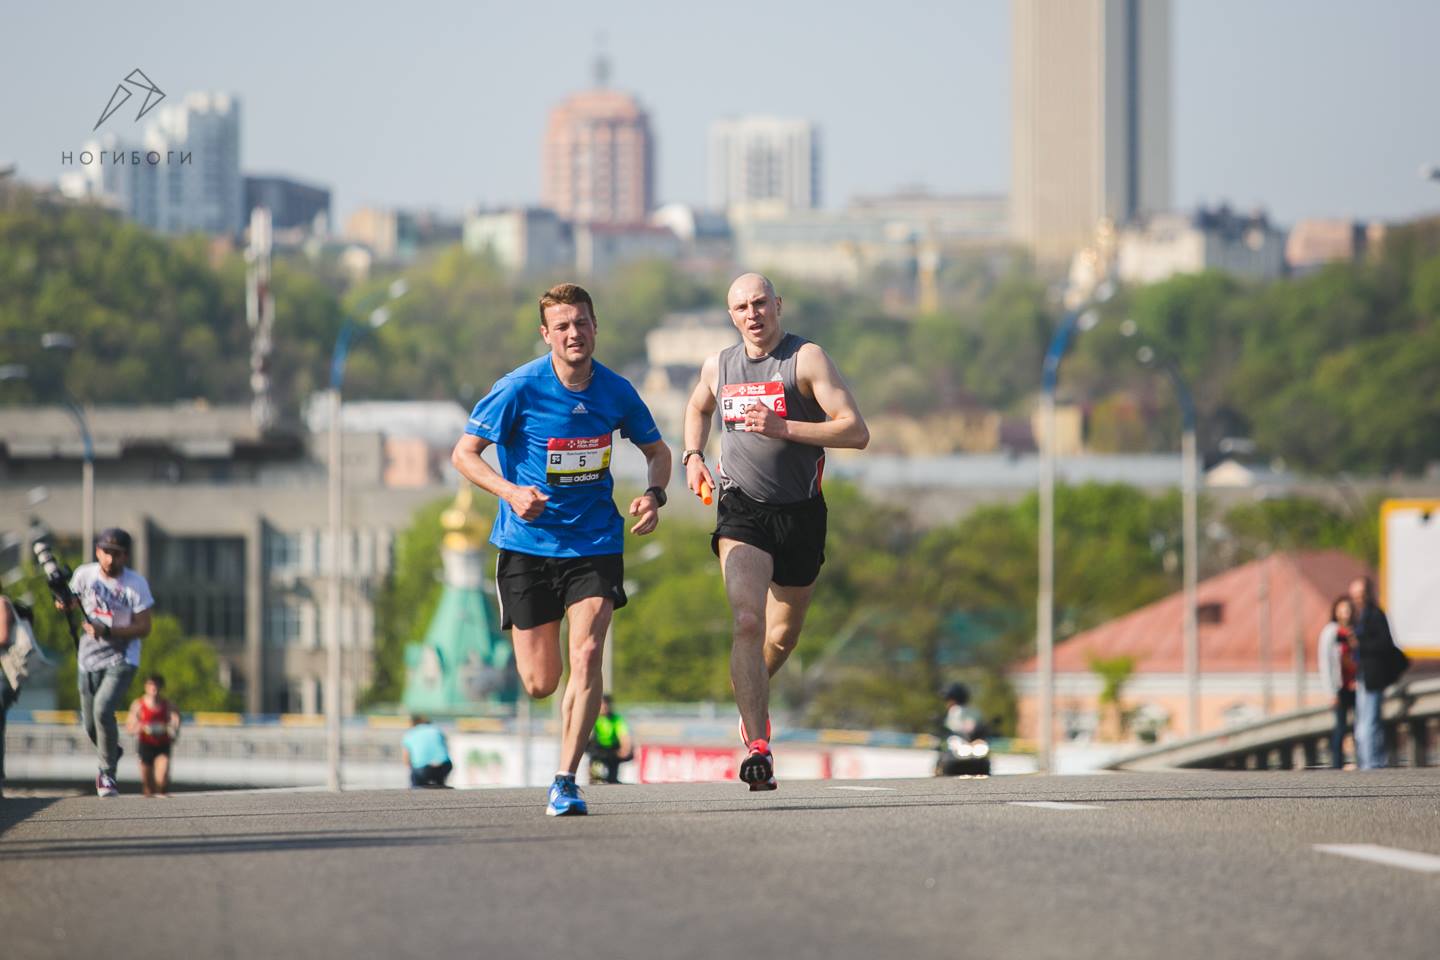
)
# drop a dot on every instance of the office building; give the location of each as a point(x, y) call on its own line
point(1091, 118)
point(293, 206)
point(767, 160)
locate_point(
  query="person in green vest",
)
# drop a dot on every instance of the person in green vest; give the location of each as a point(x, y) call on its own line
point(610, 744)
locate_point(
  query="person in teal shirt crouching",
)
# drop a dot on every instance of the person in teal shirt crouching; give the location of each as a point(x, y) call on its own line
point(426, 754)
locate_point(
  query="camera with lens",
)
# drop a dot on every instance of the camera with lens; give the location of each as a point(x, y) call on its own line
point(57, 578)
point(57, 575)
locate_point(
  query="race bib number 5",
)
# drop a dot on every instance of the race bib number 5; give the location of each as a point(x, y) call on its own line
point(575, 460)
point(737, 398)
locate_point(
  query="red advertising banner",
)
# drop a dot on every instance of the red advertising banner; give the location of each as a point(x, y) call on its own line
point(676, 764)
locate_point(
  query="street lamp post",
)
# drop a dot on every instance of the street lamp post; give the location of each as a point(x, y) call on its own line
point(1190, 549)
point(66, 343)
point(335, 471)
point(1073, 321)
point(1189, 523)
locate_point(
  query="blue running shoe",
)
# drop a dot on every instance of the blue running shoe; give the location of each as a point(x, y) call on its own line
point(565, 799)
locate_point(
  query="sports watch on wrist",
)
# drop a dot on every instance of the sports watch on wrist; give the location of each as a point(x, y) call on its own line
point(685, 457)
point(659, 494)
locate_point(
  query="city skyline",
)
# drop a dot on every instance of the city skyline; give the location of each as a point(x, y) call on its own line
point(1306, 117)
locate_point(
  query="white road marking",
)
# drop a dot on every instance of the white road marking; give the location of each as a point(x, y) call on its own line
point(1053, 805)
point(866, 789)
point(1390, 856)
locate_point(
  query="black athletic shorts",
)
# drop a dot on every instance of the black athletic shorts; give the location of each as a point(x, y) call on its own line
point(792, 533)
point(535, 590)
point(149, 751)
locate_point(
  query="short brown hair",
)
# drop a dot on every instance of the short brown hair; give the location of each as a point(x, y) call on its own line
point(566, 293)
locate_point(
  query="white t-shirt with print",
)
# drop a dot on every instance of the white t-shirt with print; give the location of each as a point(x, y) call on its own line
point(112, 601)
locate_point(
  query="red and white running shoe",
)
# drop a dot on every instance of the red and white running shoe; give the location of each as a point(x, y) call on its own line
point(758, 768)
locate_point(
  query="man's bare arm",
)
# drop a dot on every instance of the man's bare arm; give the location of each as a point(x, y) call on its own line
point(816, 375)
point(699, 411)
point(657, 458)
point(527, 502)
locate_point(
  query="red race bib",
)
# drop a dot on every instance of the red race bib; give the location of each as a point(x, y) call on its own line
point(737, 398)
point(575, 460)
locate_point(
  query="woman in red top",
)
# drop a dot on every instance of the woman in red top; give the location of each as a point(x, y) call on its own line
point(158, 724)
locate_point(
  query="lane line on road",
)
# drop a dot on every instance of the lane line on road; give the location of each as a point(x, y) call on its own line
point(1390, 856)
point(1054, 805)
point(866, 789)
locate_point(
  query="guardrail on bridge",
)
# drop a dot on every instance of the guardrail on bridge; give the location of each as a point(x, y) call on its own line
point(1301, 738)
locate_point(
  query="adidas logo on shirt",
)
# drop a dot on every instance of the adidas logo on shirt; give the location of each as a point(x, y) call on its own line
point(579, 408)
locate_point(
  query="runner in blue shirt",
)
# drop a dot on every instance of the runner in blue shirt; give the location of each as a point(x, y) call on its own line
point(561, 539)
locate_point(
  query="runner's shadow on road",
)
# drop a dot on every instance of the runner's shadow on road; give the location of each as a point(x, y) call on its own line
point(101, 848)
point(14, 810)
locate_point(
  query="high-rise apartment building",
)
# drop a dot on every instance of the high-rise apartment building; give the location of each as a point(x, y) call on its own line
point(185, 174)
point(598, 162)
point(1090, 116)
point(765, 160)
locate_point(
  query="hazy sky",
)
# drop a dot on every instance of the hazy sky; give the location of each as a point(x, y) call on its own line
point(1309, 107)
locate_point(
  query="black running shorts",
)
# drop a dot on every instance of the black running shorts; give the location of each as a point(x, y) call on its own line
point(149, 751)
point(535, 590)
point(792, 533)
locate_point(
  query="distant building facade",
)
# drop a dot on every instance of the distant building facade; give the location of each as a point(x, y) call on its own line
point(523, 241)
point(1258, 625)
point(764, 160)
point(1314, 243)
point(1091, 118)
point(598, 158)
point(602, 247)
point(293, 205)
point(1164, 245)
point(229, 530)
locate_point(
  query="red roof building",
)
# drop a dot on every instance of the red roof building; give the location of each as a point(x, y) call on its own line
point(1258, 628)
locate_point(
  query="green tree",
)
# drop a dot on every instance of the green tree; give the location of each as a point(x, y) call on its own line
point(190, 667)
point(407, 601)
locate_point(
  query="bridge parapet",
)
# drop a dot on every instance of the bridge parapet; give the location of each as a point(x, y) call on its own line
point(1301, 738)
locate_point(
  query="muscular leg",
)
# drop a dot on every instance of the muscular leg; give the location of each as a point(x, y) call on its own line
point(747, 571)
point(784, 616)
point(160, 779)
point(537, 658)
point(589, 619)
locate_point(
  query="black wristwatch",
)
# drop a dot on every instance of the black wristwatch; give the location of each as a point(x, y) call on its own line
point(659, 494)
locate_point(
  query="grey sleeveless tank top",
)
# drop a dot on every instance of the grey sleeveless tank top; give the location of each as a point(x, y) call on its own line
point(765, 468)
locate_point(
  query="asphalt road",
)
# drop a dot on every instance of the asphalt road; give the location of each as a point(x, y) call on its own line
point(1185, 865)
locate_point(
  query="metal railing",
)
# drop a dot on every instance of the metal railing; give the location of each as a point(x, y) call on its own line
point(1301, 738)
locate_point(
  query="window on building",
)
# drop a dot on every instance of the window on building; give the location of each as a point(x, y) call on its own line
point(282, 552)
point(282, 625)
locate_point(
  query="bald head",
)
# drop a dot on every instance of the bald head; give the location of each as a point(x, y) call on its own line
point(748, 284)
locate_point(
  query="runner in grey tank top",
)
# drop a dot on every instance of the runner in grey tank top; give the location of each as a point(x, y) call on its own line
point(782, 402)
point(768, 469)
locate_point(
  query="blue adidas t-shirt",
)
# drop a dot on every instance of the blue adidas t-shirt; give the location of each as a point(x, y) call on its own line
point(559, 440)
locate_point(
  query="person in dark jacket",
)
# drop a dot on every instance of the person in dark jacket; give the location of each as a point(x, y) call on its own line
point(1373, 657)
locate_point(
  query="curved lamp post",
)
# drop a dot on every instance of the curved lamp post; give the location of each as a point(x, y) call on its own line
point(1077, 320)
point(1189, 496)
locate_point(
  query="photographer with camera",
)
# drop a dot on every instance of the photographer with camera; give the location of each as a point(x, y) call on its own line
point(116, 602)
